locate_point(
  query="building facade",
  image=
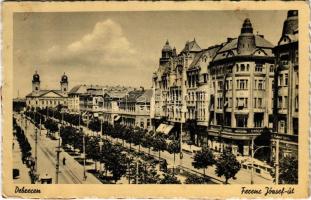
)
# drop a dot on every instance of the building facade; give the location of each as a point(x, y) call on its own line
point(286, 96)
point(74, 98)
point(42, 98)
point(241, 79)
point(112, 97)
point(134, 109)
point(220, 96)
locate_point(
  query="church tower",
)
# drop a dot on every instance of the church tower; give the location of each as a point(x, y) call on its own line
point(246, 41)
point(36, 82)
point(64, 84)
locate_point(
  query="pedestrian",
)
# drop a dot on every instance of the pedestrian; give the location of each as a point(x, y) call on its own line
point(64, 161)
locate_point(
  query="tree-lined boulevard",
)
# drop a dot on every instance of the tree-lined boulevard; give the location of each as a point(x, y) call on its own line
point(97, 152)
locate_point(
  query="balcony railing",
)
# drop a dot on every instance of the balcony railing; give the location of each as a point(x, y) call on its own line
point(237, 129)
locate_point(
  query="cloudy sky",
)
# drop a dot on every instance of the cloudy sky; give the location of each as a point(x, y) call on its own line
point(118, 48)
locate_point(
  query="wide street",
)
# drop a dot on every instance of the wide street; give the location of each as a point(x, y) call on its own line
point(71, 173)
point(242, 177)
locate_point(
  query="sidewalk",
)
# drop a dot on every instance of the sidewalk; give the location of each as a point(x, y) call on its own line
point(71, 173)
point(24, 177)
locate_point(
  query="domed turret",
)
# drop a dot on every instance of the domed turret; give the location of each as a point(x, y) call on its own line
point(167, 50)
point(167, 47)
point(246, 41)
point(64, 83)
point(64, 78)
point(291, 23)
point(36, 77)
point(36, 82)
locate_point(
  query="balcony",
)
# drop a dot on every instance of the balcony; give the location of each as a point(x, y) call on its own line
point(237, 130)
point(286, 137)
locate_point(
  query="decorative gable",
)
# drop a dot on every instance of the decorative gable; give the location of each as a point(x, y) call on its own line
point(284, 40)
point(230, 54)
point(259, 52)
point(51, 94)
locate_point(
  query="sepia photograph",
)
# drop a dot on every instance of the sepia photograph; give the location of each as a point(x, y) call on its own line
point(127, 97)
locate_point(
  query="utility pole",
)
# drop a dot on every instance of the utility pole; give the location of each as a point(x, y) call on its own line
point(180, 140)
point(84, 173)
point(101, 143)
point(252, 171)
point(36, 151)
point(57, 160)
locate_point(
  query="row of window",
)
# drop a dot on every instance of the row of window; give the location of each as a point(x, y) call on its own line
point(241, 84)
point(283, 79)
point(196, 96)
point(283, 102)
point(47, 102)
point(240, 103)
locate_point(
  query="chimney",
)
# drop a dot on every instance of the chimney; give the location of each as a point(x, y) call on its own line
point(142, 88)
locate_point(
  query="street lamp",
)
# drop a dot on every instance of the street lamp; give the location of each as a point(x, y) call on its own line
point(183, 112)
point(253, 150)
point(101, 141)
point(84, 157)
point(58, 151)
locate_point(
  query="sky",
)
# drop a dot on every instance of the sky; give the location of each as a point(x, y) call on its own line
point(118, 48)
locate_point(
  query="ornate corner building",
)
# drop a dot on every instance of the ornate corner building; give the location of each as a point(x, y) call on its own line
point(286, 89)
point(226, 95)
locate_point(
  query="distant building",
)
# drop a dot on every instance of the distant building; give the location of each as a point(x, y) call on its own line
point(74, 97)
point(286, 96)
point(91, 102)
point(134, 109)
point(42, 98)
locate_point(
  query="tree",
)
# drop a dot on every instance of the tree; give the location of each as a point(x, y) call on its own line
point(51, 125)
point(92, 149)
point(169, 179)
point(94, 125)
point(151, 174)
point(227, 165)
point(203, 159)
point(194, 179)
point(138, 136)
point(288, 173)
point(105, 154)
point(130, 136)
point(117, 164)
point(173, 148)
point(147, 141)
point(159, 143)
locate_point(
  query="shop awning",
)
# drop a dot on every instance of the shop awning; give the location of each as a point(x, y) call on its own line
point(160, 128)
point(164, 128)
point(167, 129)
point(116, 118)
